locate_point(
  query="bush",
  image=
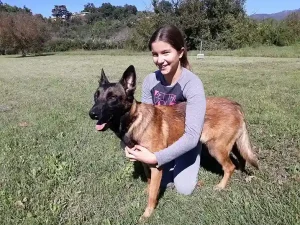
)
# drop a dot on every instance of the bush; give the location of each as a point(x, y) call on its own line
point(61, 45)
point(101, 45)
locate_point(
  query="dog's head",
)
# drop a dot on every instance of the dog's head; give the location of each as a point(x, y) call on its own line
point(112, 100)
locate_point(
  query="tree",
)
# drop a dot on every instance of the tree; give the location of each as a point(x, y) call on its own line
point(220, 12)
point(155, 5)
point(293, 24)
point(8, 8)
point(130, 10)
point(93, 17)
point(165, 7)
point(176, 4)
point(90, 7)
point(107, 10)
point(23, 32)
point(118, 13)
point(61, 12)
point(208, 19)
point(27, 10)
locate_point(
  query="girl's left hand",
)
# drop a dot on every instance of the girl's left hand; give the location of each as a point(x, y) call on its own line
point(141, 154)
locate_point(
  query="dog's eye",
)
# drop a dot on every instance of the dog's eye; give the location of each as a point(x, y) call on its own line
point(113, 97)
point(96, 95)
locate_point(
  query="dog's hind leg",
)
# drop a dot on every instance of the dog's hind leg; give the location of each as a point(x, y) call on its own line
point(221, 154)
point(156, 175)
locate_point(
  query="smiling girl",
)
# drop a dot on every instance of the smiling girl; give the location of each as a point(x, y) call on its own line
point(172, 83)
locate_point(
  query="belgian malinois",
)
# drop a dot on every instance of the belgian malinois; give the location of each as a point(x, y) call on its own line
point(152, 127)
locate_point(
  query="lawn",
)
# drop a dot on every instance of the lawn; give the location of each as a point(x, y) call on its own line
point(56, 169)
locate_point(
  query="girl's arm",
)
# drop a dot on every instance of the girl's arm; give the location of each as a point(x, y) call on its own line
point(146, 92)
point(194, 120)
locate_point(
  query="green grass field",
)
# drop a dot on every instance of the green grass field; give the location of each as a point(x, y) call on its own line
point(56, 169)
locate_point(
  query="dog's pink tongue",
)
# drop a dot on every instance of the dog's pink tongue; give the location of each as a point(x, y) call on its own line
point(100, 127)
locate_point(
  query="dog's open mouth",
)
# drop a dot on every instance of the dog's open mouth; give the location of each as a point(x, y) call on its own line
point(100, 126)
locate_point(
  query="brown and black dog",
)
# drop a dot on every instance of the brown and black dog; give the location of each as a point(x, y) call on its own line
point(156, 127)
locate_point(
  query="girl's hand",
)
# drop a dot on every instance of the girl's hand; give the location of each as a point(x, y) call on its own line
point(140, 153)
point(128, 155)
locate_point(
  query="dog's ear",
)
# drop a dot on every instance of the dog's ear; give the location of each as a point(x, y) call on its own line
point(128, 80)
point(103, 79)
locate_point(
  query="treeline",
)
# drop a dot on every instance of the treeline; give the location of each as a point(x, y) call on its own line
point(219, 24)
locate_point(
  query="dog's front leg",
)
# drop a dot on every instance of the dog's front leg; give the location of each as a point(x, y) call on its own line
point(156, 175)
point(148, 176)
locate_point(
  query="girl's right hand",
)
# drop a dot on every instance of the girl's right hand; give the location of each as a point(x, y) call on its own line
point(128, 155)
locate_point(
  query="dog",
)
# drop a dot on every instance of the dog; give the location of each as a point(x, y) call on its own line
point(151, 126)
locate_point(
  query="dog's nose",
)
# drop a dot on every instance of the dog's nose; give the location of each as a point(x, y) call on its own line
point(93, 115)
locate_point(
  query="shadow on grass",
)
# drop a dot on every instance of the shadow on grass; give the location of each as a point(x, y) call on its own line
point(207, 162)
point(35, 55)
point(138, 172)
point(210, 164)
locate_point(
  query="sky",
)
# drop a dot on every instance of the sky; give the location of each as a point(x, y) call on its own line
point(44, 7)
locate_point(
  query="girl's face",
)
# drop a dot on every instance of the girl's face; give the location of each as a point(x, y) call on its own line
point(165, 57)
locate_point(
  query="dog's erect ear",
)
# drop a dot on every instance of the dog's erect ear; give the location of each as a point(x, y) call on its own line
point(128, 80)
point(103, 78)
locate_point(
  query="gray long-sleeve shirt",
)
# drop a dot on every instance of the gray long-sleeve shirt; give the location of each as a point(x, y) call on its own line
point(188, 88)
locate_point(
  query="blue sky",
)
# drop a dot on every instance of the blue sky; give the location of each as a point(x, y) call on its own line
point(44, 6)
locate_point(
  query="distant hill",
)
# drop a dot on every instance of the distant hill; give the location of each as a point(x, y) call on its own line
point(277, 16)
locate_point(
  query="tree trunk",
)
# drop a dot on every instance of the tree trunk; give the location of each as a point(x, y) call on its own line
point(23, 53)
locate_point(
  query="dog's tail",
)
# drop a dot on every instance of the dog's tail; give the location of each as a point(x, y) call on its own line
point(244, 147)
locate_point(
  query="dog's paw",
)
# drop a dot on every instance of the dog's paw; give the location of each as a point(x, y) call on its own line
point(142, 219)
point(148, 212)
point(200, 184)
point(219, 187)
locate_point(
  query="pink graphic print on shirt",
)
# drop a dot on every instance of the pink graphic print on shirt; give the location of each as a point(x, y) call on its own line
point(161, 98)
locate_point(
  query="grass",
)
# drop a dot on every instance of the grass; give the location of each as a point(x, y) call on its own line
point(261, 51)
point(55, 169)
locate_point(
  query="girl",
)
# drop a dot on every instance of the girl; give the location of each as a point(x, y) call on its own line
point(172, 83)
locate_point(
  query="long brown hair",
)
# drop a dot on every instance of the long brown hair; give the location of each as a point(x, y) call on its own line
point(173, 36)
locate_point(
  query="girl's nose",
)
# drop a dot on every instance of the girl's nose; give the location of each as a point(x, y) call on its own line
point(160, 59)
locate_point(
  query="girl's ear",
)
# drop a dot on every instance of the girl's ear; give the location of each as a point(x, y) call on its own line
point(181, 52)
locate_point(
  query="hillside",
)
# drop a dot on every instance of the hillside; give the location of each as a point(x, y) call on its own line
point(277, 16)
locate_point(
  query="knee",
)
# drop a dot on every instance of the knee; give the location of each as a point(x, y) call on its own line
point(185, 188)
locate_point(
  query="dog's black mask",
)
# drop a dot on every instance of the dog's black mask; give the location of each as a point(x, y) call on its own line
point(112, 100)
